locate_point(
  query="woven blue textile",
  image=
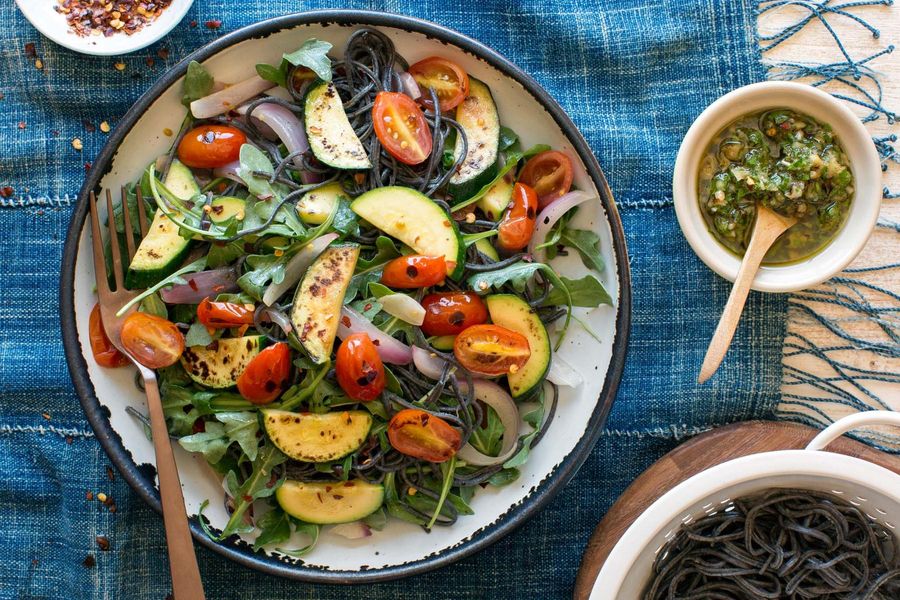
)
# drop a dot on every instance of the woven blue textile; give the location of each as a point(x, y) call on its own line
point(631, 73)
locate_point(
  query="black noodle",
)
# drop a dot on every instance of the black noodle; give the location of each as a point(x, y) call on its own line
point(783, 543)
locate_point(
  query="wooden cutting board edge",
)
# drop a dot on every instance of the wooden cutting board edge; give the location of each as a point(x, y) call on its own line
point(698, 454)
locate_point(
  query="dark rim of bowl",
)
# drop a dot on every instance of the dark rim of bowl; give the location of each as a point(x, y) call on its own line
point(516, 515)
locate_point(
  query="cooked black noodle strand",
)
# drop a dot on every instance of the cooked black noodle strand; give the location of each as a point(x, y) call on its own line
point(780, 544)
point(494, 266)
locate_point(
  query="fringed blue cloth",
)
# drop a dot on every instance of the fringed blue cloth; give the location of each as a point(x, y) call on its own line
point(633, 75)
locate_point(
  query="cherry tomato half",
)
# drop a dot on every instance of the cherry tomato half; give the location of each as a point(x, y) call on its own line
point(491, 350)
point(221, 315)
point(421, 435)
point(401, 127)
point(360, 372)
point(450, 82)
point(517, 225)
point(153, 341)
point(550, 174)
point(448, 313)
point(211, 146)
point(414, 271)
point(266, 375)
point(105, 353)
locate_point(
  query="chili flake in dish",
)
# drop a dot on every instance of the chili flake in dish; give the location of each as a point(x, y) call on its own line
point(787, 161)
point(108, 17)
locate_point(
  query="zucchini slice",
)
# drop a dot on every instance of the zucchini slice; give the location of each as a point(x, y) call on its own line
point(512, 312)
point(315, 206)
point(158, 255)
point(494, 203)
point(221, 363)
point(415, 220)
point(329, 502)
point(330, 135)
point(479, 119)
point(319, 298)
point(310, 437)
point(225, 207)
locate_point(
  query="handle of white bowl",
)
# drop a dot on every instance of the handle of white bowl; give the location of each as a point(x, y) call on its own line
point(850, 422)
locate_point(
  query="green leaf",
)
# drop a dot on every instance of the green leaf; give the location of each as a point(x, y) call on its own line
point(256, 486)
point(154, 305)
point(277, 75)
point(512, 159)
point(587, 243)
point(197, 335)
point(471, 238)
point(488, 439)
point(379, 290)
point(368, 270)
point(263, 270)
point(309, 530)
point(447, 470)
point(252, 160)
point(174, 278)
point(504, 477)
point(242, 427)
point(508, 138)
point(212, 443)
point(197, 83)
point(587, 292)
point(274, 528)
point(221, 254)
point(345, 220)
point(516, 274)
point(313, 55)
point(177, 402)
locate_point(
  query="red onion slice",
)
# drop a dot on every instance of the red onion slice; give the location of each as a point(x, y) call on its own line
point(296, 267)
point(284, 123)
point(549, 216)
point(410, 87)
point(225, 100)
point(561, 373)
point(428, 364)
point(390, 349)
point(352, 531)
point(229, 171)
point(200, 285)
point(496, 397)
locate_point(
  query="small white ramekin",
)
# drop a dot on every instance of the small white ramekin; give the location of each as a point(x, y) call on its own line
point(864, 162)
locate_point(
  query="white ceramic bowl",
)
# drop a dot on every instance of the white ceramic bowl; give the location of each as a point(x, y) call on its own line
point(53, 25)
point(864, 163)
point(874, 489)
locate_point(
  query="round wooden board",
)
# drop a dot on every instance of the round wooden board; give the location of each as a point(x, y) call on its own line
point(697, 454)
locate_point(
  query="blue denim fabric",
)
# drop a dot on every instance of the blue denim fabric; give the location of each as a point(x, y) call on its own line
point(632, 74)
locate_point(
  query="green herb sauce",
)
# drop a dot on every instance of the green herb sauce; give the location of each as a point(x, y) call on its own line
point(788, 162)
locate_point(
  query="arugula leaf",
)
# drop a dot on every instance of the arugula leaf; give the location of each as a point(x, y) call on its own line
point(213, 443)
point(174, 278)
point(175, 399)
point(587, 243)
point(256, 486)
point(277, 75)
point(367, 307)
point(555, 235)
point(345, 220)
point(587, 292)
point(221, 254)
point(313, 55)
point(197, 83)
point(264, 268)
point(379, 290)
point(471, 238)
point(504, 477)
point(447, 470)
point(516, 274)
point(274, 528)
point(488, 439)
point(307, 529)
point(253, 160)
point(197, 335)
point(154, 305)
point(512, 159)
point(508, 138)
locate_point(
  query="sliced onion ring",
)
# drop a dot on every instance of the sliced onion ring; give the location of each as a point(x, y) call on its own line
point(410, 86)
point(200, 285)
point(391, 350)
point(296, 267)
point(549, 216)
point(428, 364)
point(404, 308)
point(225, 100)
point(352, 531)
point(562, 373)
point(496, 397)
point(229, 171)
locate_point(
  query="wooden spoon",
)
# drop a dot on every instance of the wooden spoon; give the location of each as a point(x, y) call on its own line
point(769, 225)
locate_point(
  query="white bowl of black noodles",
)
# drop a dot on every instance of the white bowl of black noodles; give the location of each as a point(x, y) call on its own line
point(785, 524)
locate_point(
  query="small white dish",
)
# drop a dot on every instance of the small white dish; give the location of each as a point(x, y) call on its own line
point(864, 162)
point(51, 24)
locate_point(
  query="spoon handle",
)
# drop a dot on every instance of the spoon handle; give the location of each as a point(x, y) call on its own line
point(766, 232)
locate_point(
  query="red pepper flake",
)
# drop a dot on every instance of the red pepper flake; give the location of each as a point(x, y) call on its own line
point(2, 96)
point(89, 561)
point(103, 543)
point(213, 24)
point(22, 125)
point(87, 167)
point(69, 440)
point(110, 474)
point(163, 53)
point(193, 23)
point(89, 127)
point(89, 496)
point(150, 62)
point(46, 415)
point(6, 191)
point(30, 50)
point(106, 18)
point(54, 132)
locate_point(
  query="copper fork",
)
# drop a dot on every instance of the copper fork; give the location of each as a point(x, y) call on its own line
point(186, 583)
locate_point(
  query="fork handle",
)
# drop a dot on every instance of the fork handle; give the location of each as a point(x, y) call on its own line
point(186, 583)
